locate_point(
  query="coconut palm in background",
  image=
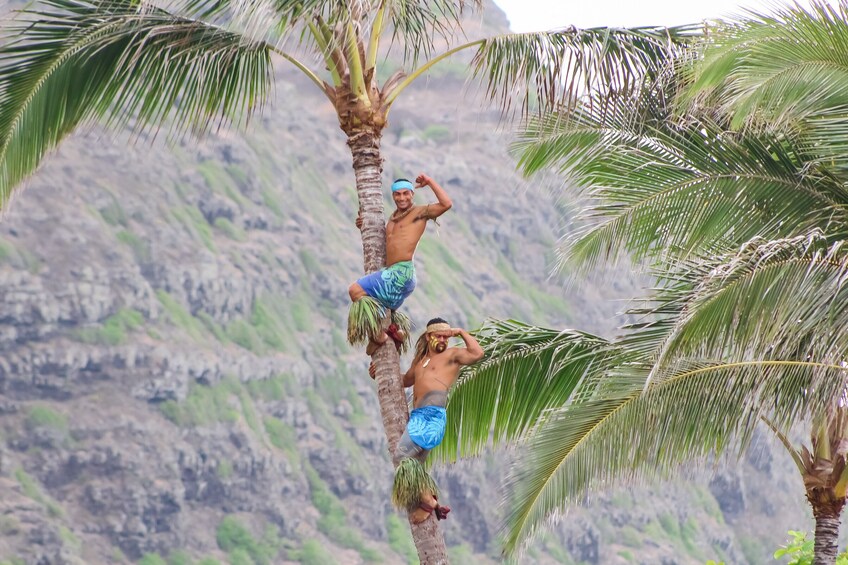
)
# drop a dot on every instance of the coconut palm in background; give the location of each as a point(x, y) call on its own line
point(727, 179)
point(189, 64)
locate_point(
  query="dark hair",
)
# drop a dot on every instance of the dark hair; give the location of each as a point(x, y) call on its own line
point(437, 321)
point(399, 180)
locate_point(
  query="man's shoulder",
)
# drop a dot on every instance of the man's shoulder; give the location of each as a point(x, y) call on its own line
point(454, 351)
point(421, 212)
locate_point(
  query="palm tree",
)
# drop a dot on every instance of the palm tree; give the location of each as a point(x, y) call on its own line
point(590, 412)
point(189, 64)
point(737, 204)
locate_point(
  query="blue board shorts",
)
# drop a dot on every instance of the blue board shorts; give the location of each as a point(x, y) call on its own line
point(390, 286)
point(427, 425)
point(424, 431)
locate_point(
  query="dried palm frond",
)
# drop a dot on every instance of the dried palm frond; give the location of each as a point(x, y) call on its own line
point(411, 480)
point(404, 324)
point(364, 320)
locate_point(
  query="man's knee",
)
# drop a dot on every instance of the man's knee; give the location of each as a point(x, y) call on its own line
point(408, 449)
point(356, 292)
point(416, 453)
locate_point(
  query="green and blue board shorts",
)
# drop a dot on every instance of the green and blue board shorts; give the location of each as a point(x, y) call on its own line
point(390, 286)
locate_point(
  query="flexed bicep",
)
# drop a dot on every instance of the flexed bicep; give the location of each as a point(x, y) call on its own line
point(471, 353)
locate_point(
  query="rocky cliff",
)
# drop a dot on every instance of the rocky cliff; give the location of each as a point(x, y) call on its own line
point(174, 382)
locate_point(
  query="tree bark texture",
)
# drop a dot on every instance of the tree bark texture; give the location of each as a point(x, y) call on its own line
point(827, 508)
point(368, 167)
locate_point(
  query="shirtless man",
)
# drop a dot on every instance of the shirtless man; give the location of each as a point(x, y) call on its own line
point(433, 372)
point(393, 284)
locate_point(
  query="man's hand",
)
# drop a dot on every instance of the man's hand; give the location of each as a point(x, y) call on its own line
point(372, 370)
point(444, 202)
point(358, 221)
point(472, 351)
point(423, 180)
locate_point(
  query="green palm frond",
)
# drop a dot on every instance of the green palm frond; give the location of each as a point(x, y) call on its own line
point(785, 70)
point(364, 321)
point(286, 12)
point(656, 203)
point(623, 426)
point(664, 191)
point(735, 196)
point(708, 408)
point(527, 371)
point(70, 62)
point(786, 297)
point(560, 67)
point(560, 140)
point(416, 24)
point(786, 65)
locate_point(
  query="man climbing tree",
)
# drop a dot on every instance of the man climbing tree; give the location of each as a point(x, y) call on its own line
point(431, 375)
point(387, 288)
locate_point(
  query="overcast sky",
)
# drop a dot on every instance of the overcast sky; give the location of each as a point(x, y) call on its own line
point(540, 15)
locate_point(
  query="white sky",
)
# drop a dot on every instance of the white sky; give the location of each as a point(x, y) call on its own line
point(541, 15)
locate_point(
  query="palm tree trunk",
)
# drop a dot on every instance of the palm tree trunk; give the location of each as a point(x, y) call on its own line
point(827, 508)
point(368, 165)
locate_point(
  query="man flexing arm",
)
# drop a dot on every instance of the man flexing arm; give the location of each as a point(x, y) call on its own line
point(433, 372)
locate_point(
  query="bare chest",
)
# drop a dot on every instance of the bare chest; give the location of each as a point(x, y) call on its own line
point(441, 370)
point(406, 228)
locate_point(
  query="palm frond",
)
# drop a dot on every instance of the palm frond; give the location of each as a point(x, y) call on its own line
point(404, 324)
point(784, 70)
point(739, 204)
point(364, 320)
point(663, 191)
point(560, 140)
point(708, 408)
point(411, 481)
point(787, 63)
point(416, 24)
point(285, 12)
point(557, 68)
point(527, 371)
point(71, 62)
point(785, 297)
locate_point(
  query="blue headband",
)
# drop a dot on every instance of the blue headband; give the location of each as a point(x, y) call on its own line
point(402, 185)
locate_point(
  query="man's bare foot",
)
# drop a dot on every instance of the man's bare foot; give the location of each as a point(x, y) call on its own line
point(420, 515)
point(425, 509)
point(397, 335)
point(376, 343)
